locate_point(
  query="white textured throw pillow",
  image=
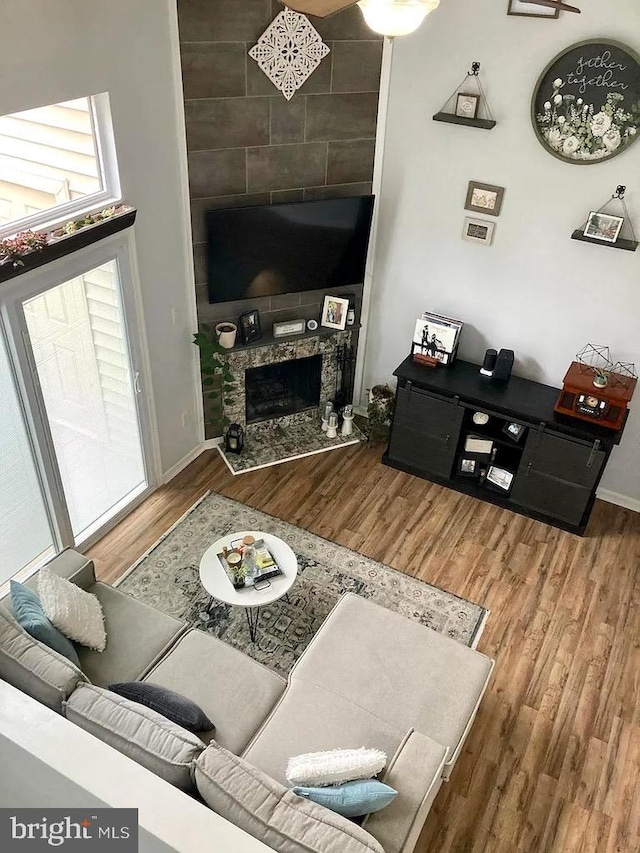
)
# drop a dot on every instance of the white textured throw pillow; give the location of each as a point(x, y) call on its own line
point(335, 766)
point(76, 613)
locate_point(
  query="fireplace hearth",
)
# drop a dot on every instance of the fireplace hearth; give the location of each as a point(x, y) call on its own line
point(283, 388)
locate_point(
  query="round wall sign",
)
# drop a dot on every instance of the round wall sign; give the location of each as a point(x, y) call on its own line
point(586, 104)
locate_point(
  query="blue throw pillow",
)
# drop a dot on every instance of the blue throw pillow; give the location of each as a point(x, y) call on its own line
point(170, 704)
point(352, 799)
point(30, 616)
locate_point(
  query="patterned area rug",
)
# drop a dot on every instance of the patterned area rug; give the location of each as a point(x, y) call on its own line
point(167, 578)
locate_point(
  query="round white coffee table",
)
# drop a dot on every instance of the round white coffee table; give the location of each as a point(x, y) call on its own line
point(216, 581)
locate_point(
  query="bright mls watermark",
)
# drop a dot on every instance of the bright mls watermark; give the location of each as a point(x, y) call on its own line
point(35, 830)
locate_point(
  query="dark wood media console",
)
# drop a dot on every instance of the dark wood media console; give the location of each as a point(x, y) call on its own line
point(556, 463)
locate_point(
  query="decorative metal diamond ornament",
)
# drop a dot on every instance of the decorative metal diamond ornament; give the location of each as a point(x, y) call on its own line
point(289, 51)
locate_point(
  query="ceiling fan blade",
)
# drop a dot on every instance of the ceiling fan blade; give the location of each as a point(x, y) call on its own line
point(318, 8)
point(554, 4)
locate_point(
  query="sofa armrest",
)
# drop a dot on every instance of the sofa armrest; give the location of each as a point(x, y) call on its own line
point(74, 567)
point(416, 774)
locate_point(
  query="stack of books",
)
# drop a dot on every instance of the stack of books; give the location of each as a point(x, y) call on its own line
point(436, 339)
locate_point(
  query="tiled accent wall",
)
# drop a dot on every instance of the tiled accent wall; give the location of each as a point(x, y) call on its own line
point(248, 145)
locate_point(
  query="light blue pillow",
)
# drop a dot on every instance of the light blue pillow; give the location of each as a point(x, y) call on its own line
point(30, 616)
point(352, 799)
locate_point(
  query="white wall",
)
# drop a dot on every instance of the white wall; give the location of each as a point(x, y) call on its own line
point(46, 761)
point(535, 290)
point(55, 51)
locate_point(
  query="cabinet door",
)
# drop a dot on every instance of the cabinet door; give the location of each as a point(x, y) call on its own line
point(557, 476)
point(425, 432)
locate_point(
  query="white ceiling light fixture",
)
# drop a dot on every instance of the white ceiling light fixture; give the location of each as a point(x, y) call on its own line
point(396, 17)
point(387, 17)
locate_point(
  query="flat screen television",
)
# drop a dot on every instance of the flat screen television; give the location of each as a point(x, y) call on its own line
point(287, 248)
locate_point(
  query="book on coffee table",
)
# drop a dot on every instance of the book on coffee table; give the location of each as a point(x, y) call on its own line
point(265, 564)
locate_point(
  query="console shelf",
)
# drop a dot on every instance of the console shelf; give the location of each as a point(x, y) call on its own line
point(556, 465)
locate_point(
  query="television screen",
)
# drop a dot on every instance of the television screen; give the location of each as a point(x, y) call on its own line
point(287, 248)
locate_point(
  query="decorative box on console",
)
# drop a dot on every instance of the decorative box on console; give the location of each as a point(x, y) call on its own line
point(289, 327)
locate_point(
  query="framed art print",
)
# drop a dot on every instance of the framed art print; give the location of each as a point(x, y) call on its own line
point(467, 105)
point(531, 10)
point(334, 312)
point(484, 198)
point(478, 231)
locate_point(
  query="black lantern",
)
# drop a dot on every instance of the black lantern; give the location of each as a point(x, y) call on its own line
point(234, 439)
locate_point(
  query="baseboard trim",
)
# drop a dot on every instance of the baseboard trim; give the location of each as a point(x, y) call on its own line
point(618, 500)
point(212, 443)
point(182, 464)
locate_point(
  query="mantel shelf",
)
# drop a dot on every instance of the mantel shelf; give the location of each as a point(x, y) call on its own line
point(482, 123)
point(626, 245)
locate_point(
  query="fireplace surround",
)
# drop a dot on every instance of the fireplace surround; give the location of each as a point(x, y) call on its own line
point(245, 360)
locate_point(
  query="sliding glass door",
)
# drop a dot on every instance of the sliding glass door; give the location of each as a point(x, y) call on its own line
point(78, 342)
point(76, 432)
point(26, 536)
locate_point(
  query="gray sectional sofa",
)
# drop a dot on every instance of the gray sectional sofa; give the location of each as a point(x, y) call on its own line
point(370, 678)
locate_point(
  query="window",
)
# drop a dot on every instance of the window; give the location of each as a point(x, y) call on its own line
point(56, 161)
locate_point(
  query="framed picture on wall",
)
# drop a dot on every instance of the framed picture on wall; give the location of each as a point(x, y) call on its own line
point(478, 231)
point(531, 10)
point(484, 198)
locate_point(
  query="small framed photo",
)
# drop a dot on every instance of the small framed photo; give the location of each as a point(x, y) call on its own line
point(500, 478)
point(467, 105)
point(603, 226)
point(484, 198)
point(334, 312)
point(469, 467)
point(250, 327)
point(478, 231)
point(522, 9)
point(513, 430)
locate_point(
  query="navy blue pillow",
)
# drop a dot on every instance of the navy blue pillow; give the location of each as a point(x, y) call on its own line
point(29, 615)
point(171, 705)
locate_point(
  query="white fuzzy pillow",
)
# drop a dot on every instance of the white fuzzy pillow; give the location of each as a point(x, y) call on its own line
point(335, 766)
point(74, 612)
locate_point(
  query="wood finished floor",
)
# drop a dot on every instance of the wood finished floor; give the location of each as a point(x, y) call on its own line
point(553, 760)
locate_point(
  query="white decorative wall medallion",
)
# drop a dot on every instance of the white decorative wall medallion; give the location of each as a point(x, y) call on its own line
point(289, 51)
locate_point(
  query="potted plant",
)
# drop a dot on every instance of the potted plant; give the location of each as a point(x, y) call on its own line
point(217, 379)
point(239, 575)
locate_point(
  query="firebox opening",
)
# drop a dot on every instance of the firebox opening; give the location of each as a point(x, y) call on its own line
point(284, 388)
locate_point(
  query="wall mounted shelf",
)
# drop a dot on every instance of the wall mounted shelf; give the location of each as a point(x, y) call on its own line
point(622, 242)
point(483, 123)
point(445, 115)
point(627, 245)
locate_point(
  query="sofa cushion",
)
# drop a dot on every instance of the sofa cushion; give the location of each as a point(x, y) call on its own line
point(351, 799)
point(333, 766)
point(137, 636)
point(415, 772)
point(72, 610)
point(149, 738)
point(233, 690)
point(268, 811)
point(170, 704)
point(422, 679)
point(34, 668)
point(311, 719)
point(28, 612)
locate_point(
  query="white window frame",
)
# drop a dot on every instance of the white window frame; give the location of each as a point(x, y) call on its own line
point(106, 159)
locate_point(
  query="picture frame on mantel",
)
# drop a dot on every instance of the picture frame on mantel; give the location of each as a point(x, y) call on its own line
point(334, 312)
point(520, 9)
